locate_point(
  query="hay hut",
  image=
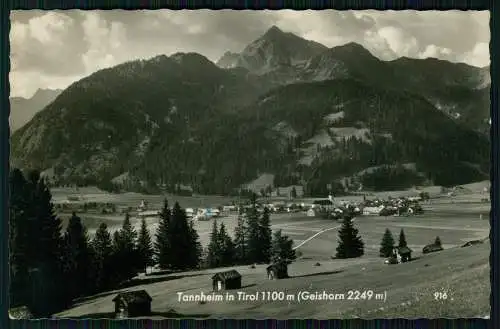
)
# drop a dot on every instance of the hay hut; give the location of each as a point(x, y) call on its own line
point(226, 280)
point(132, 304)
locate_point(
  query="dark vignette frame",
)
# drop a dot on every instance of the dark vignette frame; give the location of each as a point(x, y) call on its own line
point(492, 5)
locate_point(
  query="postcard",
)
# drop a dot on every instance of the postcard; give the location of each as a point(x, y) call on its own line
point(249, 164)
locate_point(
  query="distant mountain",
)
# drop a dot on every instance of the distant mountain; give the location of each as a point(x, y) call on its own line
point(459, 90)
point(286, 106)
point(228, 60)
point(22, 109)
point(105, 123)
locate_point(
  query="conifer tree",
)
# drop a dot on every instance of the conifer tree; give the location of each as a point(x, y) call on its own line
point(48, 225)
point(350, 244)
point(77, 258)
point(47, 243)
point(36, 241)
point(240, 239)
point(265, 236)
point(102, 249)
point(387, 244)
point(163, 248)
point(254, 246)
point(126, 249)
point(402, 239)
point(116, 241)
point(226, 247)
point(282, 248)
point(214, 248)
point(145, 247)
point(19, 239)
point(196, 249)
point(179, 239)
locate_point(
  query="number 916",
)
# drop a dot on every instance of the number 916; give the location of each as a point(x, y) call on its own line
point(439, 295)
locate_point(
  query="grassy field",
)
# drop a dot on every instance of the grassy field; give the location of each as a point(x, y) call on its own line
point(463, 273)
point(92, 194)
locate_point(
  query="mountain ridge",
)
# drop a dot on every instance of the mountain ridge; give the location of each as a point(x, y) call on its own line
point(181, 119)
point(353, 60)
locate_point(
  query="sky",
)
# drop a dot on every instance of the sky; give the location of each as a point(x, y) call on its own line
point(52, 49)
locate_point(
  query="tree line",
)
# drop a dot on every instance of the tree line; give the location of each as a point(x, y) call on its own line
point(50, 266)
point(253, 243)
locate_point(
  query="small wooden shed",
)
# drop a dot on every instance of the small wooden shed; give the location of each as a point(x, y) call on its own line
point(226, 280)
point(132, 304)
point(277, 271)
point(405, 254)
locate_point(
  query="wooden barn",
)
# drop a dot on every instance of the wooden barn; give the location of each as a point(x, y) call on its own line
point(405, 254)
point(132, 304)
point(277, 271)
point(226, 280)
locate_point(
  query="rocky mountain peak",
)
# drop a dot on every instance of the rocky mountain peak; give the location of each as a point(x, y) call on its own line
point(273, 31)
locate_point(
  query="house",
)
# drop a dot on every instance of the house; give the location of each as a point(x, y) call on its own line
point(277, 271)
point(311, 213)
point(324, 204)
point(399, 255)
point(190, 213)
point(143, 206)
point(404, 253)
point(132, 304)
point(226, 280)
point(149, 213)
point(367, 211)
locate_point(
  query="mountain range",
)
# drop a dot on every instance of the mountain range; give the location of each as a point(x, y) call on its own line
point(23, 109)
point(307, 114)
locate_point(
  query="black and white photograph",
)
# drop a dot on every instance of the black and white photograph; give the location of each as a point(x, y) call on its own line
point(249, 164)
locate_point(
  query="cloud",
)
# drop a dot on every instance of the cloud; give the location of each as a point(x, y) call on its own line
point(479, 56)
point(435, 51)
point(377, 44)
point(401, 43)
point(49, 48)
point(46, 42)
point(105, 41)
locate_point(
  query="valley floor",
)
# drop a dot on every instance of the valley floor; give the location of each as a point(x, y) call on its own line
point(463, 273)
